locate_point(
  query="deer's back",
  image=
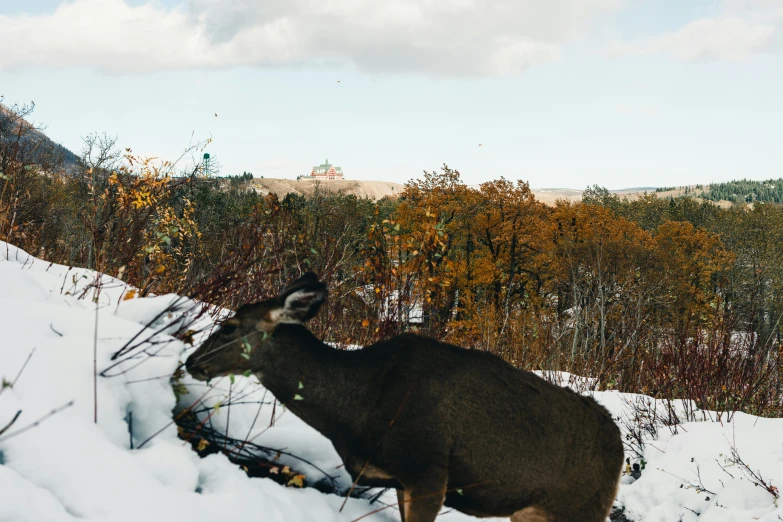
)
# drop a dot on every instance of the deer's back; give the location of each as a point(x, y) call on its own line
point(505, 435)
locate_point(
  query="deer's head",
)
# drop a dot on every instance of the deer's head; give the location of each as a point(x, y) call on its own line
point(242, 342)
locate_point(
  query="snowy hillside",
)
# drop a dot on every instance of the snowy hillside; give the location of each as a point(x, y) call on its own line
point(56, 328)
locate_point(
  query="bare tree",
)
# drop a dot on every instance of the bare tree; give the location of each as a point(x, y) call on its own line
point(25, 154)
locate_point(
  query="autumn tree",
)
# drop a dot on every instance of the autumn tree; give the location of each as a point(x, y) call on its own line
point(430, 218)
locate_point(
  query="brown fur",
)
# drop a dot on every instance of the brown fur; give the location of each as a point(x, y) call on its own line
point(441, 423)
point(530, 514)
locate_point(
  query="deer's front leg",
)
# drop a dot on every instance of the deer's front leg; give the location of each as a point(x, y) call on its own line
point(423, 498)
point(401, 504)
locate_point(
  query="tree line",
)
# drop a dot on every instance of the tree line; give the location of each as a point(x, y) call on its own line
point(670, 297)
point(746, 191)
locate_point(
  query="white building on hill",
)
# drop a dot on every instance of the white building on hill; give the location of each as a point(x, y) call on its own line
point(325, 171)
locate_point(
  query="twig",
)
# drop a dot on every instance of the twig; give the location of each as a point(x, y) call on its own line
point(698, 487)
point(55, 331)
point(724, 469)
point(754, 476)
point(701, 484)
point(18, 413)
point(97, 294)
point(260, 405)
point(237, 455)
point(129, 346)
point(228, 413)
point(142, 361)
point(29, 356)
point(254, 437)
point(19, 373)
point(37, 422)
point(176, 418)
point(201, 424)
point(130, 428)
point(167, 376)
point(378, 495)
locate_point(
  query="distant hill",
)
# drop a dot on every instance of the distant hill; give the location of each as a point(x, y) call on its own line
point(374, 190)
point(378, 189)
point(724, 194)
point(550, 195)
point(34, 145)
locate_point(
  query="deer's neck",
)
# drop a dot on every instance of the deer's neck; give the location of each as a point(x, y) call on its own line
point(319, 384)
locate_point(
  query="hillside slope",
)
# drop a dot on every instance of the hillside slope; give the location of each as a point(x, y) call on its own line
point(374, 190)
point(28, 143)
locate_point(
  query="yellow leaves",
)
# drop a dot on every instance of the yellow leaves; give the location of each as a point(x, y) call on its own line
point(187, 337)
point(160, 269)
point(296, 481)
point(130, 294)
point(202, 445)
point(292, 479)
point(142, 198)
point(365, 323)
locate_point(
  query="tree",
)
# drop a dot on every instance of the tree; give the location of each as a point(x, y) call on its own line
point(598, 195)
point(25, 154)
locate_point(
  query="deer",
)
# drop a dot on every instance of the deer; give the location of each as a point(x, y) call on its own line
point(441, 424)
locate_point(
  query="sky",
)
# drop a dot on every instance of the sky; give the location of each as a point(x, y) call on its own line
point(558, 93)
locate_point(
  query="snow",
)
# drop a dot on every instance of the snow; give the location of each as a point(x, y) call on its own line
point(68, 467)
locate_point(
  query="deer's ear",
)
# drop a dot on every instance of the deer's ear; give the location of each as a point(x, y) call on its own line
point(302, 304)
point(306, 281)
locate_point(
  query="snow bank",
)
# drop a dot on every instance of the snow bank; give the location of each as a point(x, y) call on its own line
point(71, 468)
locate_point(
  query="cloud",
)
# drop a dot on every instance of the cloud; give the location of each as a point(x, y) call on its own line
point(440, 37)
point(639, 109)
point(741, 28)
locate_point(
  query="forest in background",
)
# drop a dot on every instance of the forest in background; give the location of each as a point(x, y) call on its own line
point(746, 191)
point(675, 298)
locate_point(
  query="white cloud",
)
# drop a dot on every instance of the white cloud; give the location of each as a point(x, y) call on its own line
point(741, 28)
point(639, 109)
point(447, 37)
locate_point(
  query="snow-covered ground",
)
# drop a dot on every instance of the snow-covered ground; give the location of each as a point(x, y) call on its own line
point(68, 467)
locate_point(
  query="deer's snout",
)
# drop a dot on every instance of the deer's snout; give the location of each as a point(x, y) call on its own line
point(196, 370)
